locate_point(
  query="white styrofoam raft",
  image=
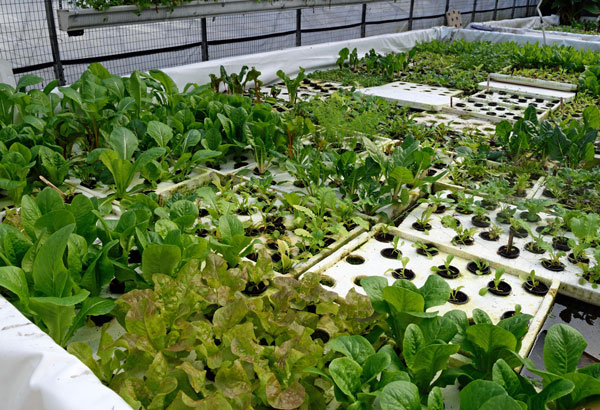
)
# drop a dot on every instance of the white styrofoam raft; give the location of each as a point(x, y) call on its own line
point(440, 236)
point(347, 275)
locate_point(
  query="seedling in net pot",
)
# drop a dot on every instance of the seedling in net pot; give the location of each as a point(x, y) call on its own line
point(509, 250)
point(589, 272)
point(517, 227)
point(586, 229)
point(533, 208)
point(493, 233)
point(403, 273)
point(497, 286)
point(437, 202)
point(532, 246)
point(447, 270)
point(395, 252)
point(534, 286)
point(457, 297)
point(425, 249)
point(521, 185)
point(505, 213)
point(465, 203)
point(479, 267)
point(463, 236)
point(480, 219)
point(423, 222)
point(552, 262)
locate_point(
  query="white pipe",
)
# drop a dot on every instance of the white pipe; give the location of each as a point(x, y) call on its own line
point(542, 20)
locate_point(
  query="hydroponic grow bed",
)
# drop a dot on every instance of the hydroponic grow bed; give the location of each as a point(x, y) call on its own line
point(201, 249)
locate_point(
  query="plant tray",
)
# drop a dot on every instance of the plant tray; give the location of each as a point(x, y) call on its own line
point(366, 246)
point(512, 100)
point(421, 97)
point(490, 111)
point(527, 90)
point(457, 122)
point(308, 89)
point(446, 183)
point(441, 237)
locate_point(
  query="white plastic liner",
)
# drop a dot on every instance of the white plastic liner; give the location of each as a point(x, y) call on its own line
point(311, 58)
point(6, 73)
point(528, 27)
point(523, 23)
point(36, 373)
point(499, 37)
point(323, 56)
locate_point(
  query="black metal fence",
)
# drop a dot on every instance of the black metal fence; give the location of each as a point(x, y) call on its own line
point(33, 44)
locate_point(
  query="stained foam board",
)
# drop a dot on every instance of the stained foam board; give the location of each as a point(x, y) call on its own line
point(491, 113)
point(534, 82)
point(511, 100)
point(525, 89)
point(414, 87)
point(428, 101)
point(456, 122)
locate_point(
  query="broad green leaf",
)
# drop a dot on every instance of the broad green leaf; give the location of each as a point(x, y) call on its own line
point(160, 258)
point(355, 347)
point(49, 200)
point(435, 401)
point(346, 373)
point(400, 396)
point(428, 361)
point(490, 343)
point(373, 287)
point(49, 273)
point(403, 300)
point(479, 317)
point(563, 348)
point(438, 328)
point(486, 395)
point(28, 80)
point(413, 342)
point(57, 313)
point(435, 291)
point(585, 388)
point(553, 391)
point(13, 279)
point(91, 307)
point(375, 364)
point(123, 142)
point(161, 133)
point(506, 377)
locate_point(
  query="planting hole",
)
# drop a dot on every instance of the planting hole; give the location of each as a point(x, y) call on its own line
point(355, 260)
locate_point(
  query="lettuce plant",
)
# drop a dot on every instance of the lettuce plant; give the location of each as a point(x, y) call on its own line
point(14, 168)
point(194, 339)
point(120, 159)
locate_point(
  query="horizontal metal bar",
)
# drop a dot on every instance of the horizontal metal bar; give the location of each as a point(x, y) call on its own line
point(69, 20)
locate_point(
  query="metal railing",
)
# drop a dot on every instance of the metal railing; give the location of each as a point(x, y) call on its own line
point(144, 43)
